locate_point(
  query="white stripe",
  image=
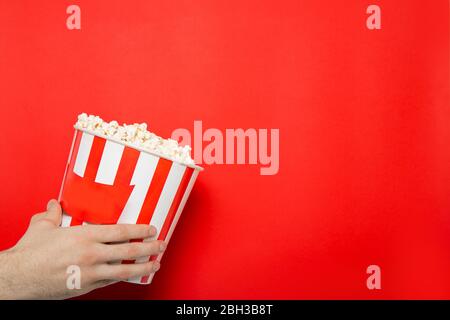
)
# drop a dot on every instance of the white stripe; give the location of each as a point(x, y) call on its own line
point(167, 194)
point(165, 199)
point(175, 220)
point(109, 163)
point(83, 153)
point(66, 219)
point(142, 177)
point(182, 203)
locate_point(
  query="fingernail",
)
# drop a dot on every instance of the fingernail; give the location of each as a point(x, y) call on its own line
point(51, 204)
point(156, 266)
point(162, 246)
point(152, 230)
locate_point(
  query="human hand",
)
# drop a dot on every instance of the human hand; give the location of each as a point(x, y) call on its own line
point(36, 267)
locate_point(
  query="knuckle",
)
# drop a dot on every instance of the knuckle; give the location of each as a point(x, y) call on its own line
point(99, 273)
point(149, 268)
point(33, 218)
point(88, 256)
point(77, 239)
point(90, 275)
point(153, 247)
point(144, 230)
point(123, 273)
point(36, 217)
point(121, 231)
point(45, 222)
point(41, 222)
point(72, 242)
point(88, 232)
point(132, 250)
point(140, 230)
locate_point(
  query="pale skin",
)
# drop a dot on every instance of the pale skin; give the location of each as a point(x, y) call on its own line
point(36, 267)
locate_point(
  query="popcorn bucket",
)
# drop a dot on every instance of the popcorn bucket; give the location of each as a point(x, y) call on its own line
point(108, 182)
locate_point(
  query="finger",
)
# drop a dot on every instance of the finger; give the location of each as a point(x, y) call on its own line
point(38, 216)
point(103, 283)
point(54, 212)
point(120, 232)
point(132, 250)
point(121, 272)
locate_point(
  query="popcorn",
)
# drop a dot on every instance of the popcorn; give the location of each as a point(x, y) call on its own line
point(136, 135)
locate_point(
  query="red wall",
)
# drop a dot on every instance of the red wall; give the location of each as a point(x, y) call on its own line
point(363, 115)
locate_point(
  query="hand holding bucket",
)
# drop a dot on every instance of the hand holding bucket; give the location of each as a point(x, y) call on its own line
point(110, 182)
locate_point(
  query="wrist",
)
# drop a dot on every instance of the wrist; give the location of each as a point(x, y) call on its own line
point(8, 268)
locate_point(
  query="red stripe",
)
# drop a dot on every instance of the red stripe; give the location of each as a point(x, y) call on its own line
point(151, 199)
point(94, 158)
point(127, 261)
point(75, 222)
point(126, 167)
point(172, 211)
point(154, 191)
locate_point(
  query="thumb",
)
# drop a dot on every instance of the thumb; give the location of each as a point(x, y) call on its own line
point(54, 212)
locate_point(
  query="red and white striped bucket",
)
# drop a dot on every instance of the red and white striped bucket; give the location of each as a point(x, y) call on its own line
point(107, 182)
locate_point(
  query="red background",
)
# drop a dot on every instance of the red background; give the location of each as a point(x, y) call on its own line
point(364, 135)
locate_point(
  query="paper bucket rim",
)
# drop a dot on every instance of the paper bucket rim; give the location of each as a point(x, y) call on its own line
point(194, 166)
